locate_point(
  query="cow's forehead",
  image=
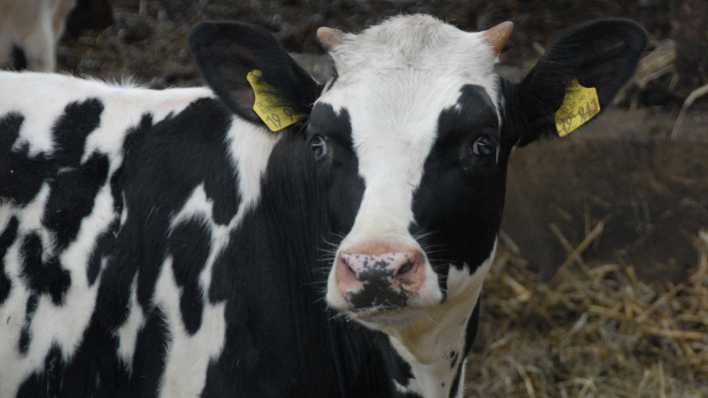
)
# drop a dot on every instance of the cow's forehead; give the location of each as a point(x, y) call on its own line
point(409, 100)
point(405, 71)
point(417, 42)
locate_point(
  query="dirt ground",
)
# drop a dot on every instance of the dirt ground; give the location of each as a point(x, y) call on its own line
point(601, 289)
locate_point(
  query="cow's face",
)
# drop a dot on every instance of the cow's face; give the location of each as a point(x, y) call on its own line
point(408, 136)
point(410, 142)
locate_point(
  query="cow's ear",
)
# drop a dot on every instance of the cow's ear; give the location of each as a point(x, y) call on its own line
point(253, 74)
point(577, 78)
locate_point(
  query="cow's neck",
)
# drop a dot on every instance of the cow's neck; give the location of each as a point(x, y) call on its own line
point(434, 346)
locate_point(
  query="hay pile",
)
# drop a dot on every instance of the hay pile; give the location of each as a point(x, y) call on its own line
point(591, 331)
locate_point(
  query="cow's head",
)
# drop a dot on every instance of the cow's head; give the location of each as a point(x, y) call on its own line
point(411, 140)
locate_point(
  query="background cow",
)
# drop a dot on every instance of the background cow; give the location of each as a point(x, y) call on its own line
point(29, 32)
point(173, 243)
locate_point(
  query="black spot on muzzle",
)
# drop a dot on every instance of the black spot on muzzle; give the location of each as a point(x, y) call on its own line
point(378, 290)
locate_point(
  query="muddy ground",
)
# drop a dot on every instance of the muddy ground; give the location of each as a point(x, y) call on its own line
point(622, 191)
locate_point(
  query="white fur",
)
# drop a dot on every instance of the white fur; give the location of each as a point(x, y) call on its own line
point(12, 312)
point(250, 148)
point(127, 333)
point(187, 356)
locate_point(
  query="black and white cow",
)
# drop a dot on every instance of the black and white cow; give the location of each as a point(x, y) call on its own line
point(167, 243)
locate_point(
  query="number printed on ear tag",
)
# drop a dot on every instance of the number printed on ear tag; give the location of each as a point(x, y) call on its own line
point(580, 104)
point(268, 106)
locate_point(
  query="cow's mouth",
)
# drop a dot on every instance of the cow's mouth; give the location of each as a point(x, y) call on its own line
point(375, 311)
point(383, 315)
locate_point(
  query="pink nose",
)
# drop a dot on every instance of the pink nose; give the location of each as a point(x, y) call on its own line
point(380, 271)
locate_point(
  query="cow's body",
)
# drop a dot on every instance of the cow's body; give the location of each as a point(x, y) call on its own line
point(139, 235)
point(29, 32)
point(165, 243)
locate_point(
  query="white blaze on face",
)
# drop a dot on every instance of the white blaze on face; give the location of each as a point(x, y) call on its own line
point(394, 81)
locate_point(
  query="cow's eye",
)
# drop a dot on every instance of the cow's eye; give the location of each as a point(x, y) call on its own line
point(319, 147)
point(484, 146)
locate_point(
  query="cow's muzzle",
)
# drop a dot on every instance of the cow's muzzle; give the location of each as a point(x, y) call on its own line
point(379, 276)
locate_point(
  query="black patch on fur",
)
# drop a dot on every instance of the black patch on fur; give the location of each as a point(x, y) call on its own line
point(377, 291)
point(161, 171)
point(30, 309)
point(222, 188)
point(126, 254)
point(73, 190)
point(10, 125)
point(7, 238)
point(473, 114)
point(47, 383)
point(339, 172)
point(95, 369)
point(274, 239)
point(325, 121)
point(189, 245)
point(150, 354)
point(116, 192)
point(104, 243)
point(21, 175)
point(458, 204)
point(43, 278)
point(71, 129)
point(399, 369)
point(71, 198)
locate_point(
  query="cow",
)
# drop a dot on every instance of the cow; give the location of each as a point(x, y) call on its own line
point(29, 32)
point(268, 236)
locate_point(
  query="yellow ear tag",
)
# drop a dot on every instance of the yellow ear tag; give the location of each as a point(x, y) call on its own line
point(579, 106)
point(268, 106)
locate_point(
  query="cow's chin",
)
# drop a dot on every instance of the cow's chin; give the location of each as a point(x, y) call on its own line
point(386, 317)
point(380, 318)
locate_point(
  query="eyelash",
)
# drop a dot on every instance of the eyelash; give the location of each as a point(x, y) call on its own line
point(319, 147)
point(484, 146)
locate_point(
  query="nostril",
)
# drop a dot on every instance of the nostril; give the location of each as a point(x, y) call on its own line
point(406, 273)
point(345, 261)
point(406, 268)
point(348, 266)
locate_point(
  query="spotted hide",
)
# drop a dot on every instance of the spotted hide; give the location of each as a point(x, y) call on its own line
point(169, 244)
